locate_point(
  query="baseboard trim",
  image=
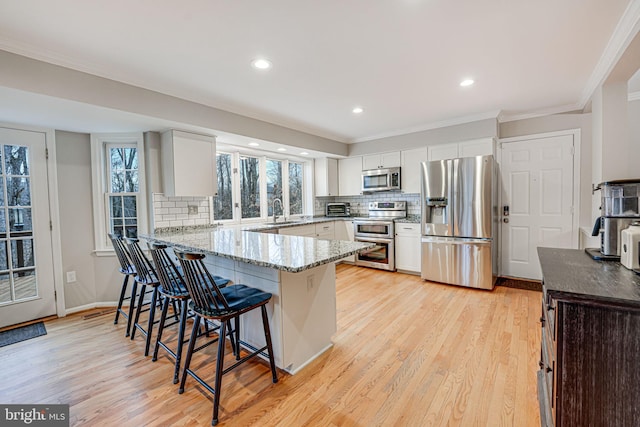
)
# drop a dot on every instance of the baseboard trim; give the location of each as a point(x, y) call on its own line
point(513, 282)
point(106, 304)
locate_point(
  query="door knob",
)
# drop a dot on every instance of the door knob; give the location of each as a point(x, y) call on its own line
point(505, 220)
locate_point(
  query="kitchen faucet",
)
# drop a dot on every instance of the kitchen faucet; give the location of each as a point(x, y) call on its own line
point(275, 217)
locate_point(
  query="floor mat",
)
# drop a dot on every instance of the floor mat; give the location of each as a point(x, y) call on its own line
point(22, 333)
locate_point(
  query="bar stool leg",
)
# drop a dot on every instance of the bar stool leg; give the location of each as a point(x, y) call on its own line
point(132, 306)
point(143, 289)
point(237, 331)
point(219, 368)
point(123, 291)
point(152, 312)
point(267, 337)
point(163, 316)
point(182, 326)
point(192, 344)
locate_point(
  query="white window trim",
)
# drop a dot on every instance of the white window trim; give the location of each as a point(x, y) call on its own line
point(99, 186)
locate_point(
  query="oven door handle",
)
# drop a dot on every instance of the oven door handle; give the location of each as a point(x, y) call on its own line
point(373, 239)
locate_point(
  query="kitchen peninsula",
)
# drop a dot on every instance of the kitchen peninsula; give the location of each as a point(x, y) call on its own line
point(298, 271)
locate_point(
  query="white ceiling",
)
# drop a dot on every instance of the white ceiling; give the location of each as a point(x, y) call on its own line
point(401, 60)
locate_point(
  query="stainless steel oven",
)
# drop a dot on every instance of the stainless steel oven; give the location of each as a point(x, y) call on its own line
point(379, 229)
point(382, 255)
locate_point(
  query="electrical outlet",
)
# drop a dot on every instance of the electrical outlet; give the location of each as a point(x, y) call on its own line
point(192, 209)
point(71, 276)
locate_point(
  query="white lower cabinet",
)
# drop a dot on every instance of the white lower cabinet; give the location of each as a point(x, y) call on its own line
point(308, 230)
point(344, 231)
point(408, 248)
point(325, 230)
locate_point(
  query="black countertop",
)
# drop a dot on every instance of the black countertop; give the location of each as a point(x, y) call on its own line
point(573, 274)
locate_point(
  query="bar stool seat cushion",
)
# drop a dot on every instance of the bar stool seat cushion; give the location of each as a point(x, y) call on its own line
point(239, 297)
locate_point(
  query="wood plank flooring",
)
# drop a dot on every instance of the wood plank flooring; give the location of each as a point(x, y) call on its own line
point(407, 353)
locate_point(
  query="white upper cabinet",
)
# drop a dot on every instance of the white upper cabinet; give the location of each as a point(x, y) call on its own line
point(326, 177)
point(188, 164)
point(350, 173)
point(476, 147)
point(410, 164)
point(382, 160)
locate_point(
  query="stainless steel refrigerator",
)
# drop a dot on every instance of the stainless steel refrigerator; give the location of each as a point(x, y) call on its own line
point(458, 228)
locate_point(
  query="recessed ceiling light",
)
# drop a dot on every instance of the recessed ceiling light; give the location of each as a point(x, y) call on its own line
point(304, 153)
point(357, 110)
point(261, 64)
point(282, 149)
point(466, 82)
point(254, 144)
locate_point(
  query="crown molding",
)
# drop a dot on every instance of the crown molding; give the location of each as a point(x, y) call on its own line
point(432, 125)
point(505, 117)
point(625, 31)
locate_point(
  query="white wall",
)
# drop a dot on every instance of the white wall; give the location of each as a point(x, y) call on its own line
point(98, 279)
point(457, 133)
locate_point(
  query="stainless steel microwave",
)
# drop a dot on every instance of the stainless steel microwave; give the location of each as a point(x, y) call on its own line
point(381, 180)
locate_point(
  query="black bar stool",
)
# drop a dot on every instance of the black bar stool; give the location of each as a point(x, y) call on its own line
point(146, 276)
point(210, 302)
point(127, 269)
point(173, 289)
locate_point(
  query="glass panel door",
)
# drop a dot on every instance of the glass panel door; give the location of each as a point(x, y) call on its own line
point(26, 264)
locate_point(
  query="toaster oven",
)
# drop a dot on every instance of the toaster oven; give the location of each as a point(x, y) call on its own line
point(338, 209)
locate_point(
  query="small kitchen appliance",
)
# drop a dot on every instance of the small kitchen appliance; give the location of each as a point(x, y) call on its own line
point(629, 252)
point(385, 179)
point(338, 209)
point(619, 208)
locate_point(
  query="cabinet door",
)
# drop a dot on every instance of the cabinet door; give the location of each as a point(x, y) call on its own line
point(479, 147)
point(188, 164)
point(443, 151)
point(326, 177)
point(408, 247)
point(410, 163)
point(344, 231)
point(325, 230)
point(383, 160)
point(301, 230)
point(350, 176)
point(371, 161)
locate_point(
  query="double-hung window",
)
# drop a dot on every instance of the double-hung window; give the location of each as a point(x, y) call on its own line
point(119, 196)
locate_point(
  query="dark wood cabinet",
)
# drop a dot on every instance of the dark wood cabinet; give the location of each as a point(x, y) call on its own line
point(590, 353)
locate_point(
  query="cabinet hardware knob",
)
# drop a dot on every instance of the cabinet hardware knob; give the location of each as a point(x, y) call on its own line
point(549, 369)
point(550, 307)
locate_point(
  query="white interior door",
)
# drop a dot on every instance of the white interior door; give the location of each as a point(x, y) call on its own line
point(537, 201)
point(26, 260)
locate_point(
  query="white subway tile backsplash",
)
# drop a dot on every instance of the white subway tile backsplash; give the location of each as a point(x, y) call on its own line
point(174, 211)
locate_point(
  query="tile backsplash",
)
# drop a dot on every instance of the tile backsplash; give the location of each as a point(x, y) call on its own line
point(360, 204)
point(180, 211)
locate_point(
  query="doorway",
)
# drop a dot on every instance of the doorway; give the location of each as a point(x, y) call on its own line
point(539, 199)
point(27, 285)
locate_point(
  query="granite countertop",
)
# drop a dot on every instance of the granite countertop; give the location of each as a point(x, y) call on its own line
point(573, 274)
point(410, 219)
point(286, 253)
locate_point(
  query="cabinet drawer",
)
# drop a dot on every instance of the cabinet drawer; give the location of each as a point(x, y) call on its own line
point(550, 314)
point(548, 367)
point(407, 229)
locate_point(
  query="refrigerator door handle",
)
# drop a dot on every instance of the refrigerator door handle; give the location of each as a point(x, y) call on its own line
point(456, 240)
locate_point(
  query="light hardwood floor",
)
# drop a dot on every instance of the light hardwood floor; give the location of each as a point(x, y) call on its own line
point(407, 353)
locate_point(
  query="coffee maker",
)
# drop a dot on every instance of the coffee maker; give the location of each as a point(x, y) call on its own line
point(619, 208)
